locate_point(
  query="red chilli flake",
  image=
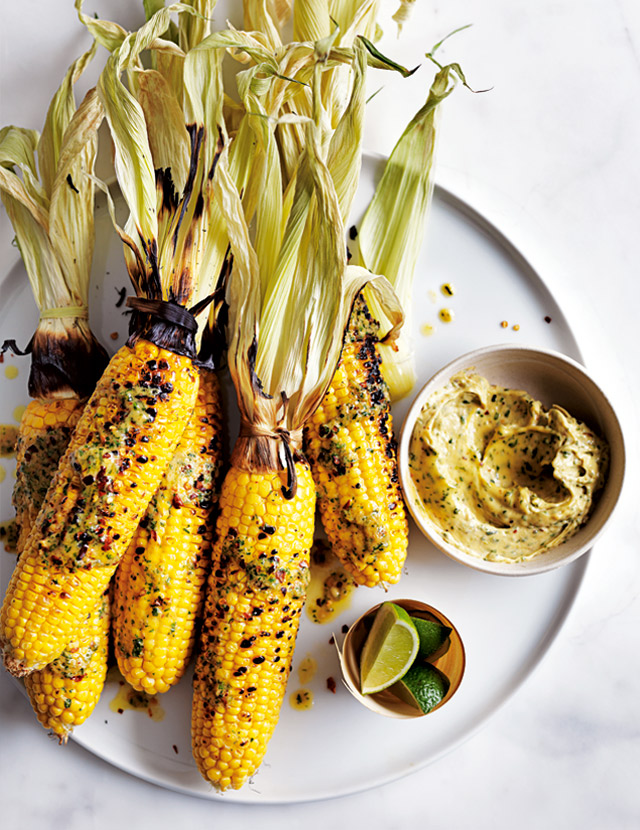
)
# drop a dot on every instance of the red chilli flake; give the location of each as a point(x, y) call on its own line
point(175, 749)
point(331, 685)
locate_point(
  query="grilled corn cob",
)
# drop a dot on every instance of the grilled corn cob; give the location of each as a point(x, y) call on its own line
point(66, 692)
point(350, 446)
point(46, 428)
point(255, 596)
point(123, 442)
point(159, 585)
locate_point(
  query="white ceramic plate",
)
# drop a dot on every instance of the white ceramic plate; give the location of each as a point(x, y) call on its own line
point(338, 746)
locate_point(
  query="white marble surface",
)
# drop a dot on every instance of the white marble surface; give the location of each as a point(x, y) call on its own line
point(550, 155)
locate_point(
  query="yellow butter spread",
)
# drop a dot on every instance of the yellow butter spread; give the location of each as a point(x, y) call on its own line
point(500, 476)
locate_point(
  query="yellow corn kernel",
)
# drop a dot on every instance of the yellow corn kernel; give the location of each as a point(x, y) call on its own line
point(66, 692)
point(159, 584)
point(255, 596)
point(124, 440)
point(350, 446)
point(46, 428)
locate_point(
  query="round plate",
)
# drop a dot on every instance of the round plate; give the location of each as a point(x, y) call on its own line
point(339, 747)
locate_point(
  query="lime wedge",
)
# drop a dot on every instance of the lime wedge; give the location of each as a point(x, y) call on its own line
point(390, 648)
point(423, 687)
point(433, 637)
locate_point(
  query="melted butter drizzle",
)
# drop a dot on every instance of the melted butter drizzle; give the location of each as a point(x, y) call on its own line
point(129, 698)
point(330, 588)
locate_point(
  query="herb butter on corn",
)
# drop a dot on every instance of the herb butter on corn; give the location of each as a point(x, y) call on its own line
point(500, 476)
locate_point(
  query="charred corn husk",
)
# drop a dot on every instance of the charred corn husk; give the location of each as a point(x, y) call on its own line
point(255, 597)
point(122, 444)
point(66, 692)
point(350, 445)
point(159, 584)
point(46, 428)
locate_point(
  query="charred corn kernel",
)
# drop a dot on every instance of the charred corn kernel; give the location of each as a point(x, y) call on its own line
point(123, 442)
point(350, 446)
point(46, 428)
point(255, 595)
point(159, 584)
point(66, 692)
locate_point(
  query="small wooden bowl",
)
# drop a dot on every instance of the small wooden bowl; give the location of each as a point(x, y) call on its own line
point(451, 663)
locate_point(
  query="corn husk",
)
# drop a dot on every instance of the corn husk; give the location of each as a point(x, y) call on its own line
point(168, 132)
point(47, 187)
point(280, 380)
point(391, 234)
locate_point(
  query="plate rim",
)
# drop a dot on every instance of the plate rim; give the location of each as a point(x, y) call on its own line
point(577, 569)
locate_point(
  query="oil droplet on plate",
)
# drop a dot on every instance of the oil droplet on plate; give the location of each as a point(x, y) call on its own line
point(18, 412)
point(330, 588)
point(427, 329)
point(128, 698)
point(302, 699)
point(307, 669)
point(446, 315)
point(11, 372)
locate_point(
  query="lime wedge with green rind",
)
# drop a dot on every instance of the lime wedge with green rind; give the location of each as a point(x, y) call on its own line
point(423, 687)
point(389, 650)
point(433, 638)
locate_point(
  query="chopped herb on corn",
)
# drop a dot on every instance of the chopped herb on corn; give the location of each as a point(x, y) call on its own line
point(159, 584)
point(124, 439)
point(66, 692)
point(350, 445)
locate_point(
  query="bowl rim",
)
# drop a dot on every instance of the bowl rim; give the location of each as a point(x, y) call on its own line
point(536, 565)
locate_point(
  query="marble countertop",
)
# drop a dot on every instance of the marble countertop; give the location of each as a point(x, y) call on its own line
point(549, 154)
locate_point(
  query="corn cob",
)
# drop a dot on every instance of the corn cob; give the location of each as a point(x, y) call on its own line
point(159, 585)
point(123, 442)
point(350, 446)
point(255, 597)
point(46, 428)
point(260, 561)
point(66, 692)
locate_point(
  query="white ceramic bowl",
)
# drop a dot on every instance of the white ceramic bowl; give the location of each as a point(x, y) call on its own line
point(551, 378)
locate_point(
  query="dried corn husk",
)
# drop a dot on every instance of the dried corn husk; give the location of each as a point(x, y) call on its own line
point(47, 187)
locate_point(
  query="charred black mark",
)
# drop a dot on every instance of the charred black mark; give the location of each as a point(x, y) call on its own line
point(164, 181)
point(219, 148)
point(71, 184)
point(196, 135)
point(256, 383)
point(154, 284)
